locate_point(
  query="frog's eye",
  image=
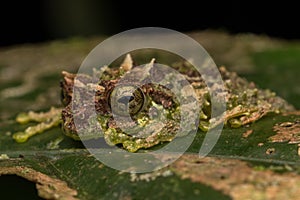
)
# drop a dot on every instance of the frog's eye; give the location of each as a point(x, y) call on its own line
point(126, 100)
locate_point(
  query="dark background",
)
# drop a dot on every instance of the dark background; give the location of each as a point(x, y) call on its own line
point(44, 20)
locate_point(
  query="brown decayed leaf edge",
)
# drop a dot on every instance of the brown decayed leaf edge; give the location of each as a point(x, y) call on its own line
point(48, 187)
point(247, 133)
point(287, 132)
point(238, 180)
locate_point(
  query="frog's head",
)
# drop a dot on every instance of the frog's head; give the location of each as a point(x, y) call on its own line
point(125, 103)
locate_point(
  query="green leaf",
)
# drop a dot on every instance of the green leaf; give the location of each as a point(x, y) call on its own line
point(61, 160)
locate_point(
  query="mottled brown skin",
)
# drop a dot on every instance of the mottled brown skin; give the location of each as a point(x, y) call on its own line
point(102, 100)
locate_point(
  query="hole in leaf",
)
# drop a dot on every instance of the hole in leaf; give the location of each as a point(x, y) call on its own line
point(15, 187)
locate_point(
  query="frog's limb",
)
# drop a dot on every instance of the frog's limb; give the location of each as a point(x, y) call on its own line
point(24, 118)
point(235, 117)
point(47, 120)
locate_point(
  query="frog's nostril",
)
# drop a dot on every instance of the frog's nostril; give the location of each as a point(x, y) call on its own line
point(125, 99)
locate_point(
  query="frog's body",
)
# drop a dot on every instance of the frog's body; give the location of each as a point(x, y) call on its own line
point(245, 104)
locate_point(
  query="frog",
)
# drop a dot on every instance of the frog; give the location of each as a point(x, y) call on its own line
point(150, 103)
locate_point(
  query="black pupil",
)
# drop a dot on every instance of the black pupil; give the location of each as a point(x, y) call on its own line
point(125, 99)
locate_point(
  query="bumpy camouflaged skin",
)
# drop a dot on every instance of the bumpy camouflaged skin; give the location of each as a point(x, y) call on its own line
point(245, 104)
